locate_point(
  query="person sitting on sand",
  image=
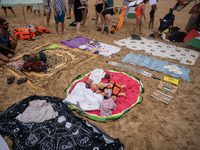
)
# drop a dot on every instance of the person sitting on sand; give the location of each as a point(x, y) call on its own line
point(59, 8)
point(107, 16)
point(140, 12)
point(7, 46)
point(167, 20)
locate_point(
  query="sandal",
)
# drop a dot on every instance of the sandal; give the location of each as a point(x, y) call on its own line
point(22, 80)
point(10, 79)
point(68, 18)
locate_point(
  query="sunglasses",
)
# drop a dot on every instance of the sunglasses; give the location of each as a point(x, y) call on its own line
point(6, 24)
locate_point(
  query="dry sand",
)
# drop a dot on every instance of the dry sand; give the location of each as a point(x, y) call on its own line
point(149, 125)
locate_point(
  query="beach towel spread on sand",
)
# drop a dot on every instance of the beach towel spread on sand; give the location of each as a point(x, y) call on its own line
point(156, 48)
point(58, 59)
point(133, 91)
point(65, 132)
point(157, 65)
point(75, 42)
point(100, 48)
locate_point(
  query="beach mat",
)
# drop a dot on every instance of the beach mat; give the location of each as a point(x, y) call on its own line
point(152, 63)
point(162, 97)
point(133, 95)
point(65, 132)
point(59, 58)
point(100, 48)
point(156, 48)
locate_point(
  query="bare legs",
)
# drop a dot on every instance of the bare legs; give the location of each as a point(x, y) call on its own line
point(13, 12)
point(47, 18)
point(56, 26)
point(78, 27)
point(97, 18)
point(37, 11)
point(138, 23)
point(62, 27)
point(5, 11)
point(108, 18)
point(151, 22)
point(84, 14)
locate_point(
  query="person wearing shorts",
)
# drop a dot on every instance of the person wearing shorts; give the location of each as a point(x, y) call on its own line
point(7, 46)
point(59, 8)
point(47, 10)
point(70, 7)
point(5, 10)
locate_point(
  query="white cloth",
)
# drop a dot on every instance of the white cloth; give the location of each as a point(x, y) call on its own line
point(156, 48)
point(3, 144)
point(96, 75)
point(135, 2)
point(174, 68)
point(84, 98)
point(152, 2)
point(38, 111)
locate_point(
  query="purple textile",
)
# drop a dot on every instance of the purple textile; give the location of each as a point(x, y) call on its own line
point(75, 42)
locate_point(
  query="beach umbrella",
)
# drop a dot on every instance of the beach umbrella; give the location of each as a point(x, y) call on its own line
point(192, 38)
point(7, 3)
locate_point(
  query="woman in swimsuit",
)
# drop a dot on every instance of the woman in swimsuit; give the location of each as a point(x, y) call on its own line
point(99, 8)
point(140, 9)
point(107, 15)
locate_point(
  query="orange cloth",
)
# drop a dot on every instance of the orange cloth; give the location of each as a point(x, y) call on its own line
point(121, 18)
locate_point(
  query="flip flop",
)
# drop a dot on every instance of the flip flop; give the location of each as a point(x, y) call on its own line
point(22, 80)
point(10, 79)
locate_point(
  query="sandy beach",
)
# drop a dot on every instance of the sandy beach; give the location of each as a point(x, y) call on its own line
point(151, 124)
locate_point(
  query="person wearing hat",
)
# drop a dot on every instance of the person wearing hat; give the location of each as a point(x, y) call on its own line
point(167, 20)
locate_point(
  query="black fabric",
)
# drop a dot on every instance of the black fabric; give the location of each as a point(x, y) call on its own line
point(99, 7)
point(77, 12)
point(108, 11)
point(70, 133)
point(6, 7)
point(152, 13)
point(5, 51)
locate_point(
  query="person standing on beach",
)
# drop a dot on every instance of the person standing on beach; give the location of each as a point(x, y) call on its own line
point(84, 10)
point(195, 11)
point(47, 9)
point(5, 10)
point(109, 4)
point(78, 14)
point(59, 8)
point(70, 7)
point(153, 8)
point(7, 46)
point(36, 8)
point(99, 8)
point(140, 12)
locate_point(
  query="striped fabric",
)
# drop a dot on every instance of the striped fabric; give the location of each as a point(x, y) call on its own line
point(20, 2)
point(60, 6)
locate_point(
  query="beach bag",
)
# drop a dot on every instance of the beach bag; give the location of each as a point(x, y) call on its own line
point(37, 66)
point(41, 30)
point(24, 33)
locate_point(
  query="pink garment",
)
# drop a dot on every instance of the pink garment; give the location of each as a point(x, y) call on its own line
point(106, 106)
point(17, 64)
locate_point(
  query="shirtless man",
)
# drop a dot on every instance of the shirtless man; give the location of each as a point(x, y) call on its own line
point(7, 46)
point(192, 21)
point(99, 8)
